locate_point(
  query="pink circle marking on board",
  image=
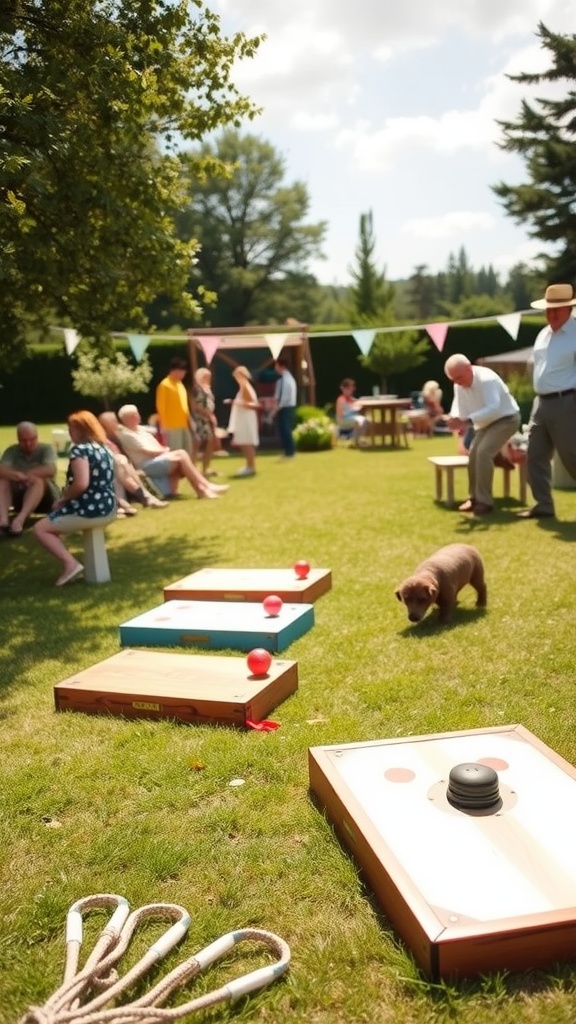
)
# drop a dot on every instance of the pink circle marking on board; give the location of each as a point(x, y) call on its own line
point(493, 762)
point(399, 775)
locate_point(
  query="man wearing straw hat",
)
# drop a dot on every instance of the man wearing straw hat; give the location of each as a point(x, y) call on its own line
point(553, 417)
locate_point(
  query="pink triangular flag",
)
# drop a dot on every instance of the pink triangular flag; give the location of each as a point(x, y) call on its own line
point(275, 343)
point(511, 323)
point(437, 332)
point(364, 340)
point(138, 343)
point(209, 345)
point(71, 339)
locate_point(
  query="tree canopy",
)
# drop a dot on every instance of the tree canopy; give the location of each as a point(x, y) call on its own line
point(255, 244)
point(545, 135)
point(96, 96)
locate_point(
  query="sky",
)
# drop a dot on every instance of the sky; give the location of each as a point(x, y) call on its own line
point(391, 106)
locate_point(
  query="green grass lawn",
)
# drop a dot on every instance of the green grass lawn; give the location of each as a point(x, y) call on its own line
point(145, 809)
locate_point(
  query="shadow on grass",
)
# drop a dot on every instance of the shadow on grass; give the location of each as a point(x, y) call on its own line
point(430, 625)
point(79, 623)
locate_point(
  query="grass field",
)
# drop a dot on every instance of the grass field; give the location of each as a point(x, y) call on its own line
point(145, 809)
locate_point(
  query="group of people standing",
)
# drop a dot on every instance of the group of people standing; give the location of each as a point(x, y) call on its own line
point(243, 424)
point(188, 421)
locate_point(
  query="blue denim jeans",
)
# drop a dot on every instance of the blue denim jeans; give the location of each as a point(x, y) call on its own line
point(285, 427)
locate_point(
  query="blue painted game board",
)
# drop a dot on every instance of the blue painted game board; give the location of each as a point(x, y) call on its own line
point(215, 625)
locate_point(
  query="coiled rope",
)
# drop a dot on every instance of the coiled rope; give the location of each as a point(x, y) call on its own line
point(85, 995)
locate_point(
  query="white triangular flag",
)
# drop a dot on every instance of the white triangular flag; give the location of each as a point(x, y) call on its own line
point(511, 323)
point(275, 343)
point(364, 340)
point(71, 339)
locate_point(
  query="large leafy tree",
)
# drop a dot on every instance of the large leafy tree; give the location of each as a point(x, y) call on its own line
point(545, 135)
point(95, 98)
point(255, 244)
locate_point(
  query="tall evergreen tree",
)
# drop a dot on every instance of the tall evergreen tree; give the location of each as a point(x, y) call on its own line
point(422, 292)
point(545, 135)
point(371, 295)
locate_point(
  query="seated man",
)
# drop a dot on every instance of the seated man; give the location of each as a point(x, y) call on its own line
point(27, 478)
point(126, 479)
point(146, 453)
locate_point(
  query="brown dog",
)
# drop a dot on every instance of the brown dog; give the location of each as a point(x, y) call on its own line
point(439, 579)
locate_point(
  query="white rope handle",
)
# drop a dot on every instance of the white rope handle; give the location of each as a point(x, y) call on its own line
point(85, 995)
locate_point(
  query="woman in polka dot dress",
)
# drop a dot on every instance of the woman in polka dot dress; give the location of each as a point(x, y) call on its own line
point(88, 498)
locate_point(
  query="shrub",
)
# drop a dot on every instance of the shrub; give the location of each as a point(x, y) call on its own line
point(314, 435)
point(308, 412)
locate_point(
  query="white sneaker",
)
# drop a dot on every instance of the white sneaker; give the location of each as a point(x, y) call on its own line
point(246, 471)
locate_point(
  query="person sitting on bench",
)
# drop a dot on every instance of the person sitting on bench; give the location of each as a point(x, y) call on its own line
point(88, 499)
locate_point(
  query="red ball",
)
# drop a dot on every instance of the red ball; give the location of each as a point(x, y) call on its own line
point(272, 604)
point(302, 568)
point(259, 661)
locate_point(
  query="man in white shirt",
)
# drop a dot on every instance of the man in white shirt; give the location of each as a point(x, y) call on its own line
point(285, 401)
point(553, 417)
point(482, 401)
point(159, 462)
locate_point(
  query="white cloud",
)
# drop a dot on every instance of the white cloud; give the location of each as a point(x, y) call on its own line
point(309, 122)
point(448, 225)
point(525, 252)
point(395, 108)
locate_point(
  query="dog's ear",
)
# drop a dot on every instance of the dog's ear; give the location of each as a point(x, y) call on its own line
point(398, 594)
point(433, 591)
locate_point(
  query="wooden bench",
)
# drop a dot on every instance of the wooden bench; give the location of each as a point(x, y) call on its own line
point(445, 467)
point(96, 567)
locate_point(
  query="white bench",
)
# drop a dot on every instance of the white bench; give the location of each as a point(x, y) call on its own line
point(96, 567)
point(445, 467)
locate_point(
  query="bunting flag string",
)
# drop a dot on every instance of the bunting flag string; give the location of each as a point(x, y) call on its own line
point(275, 343)
point(364, 337)
point(364, 340)
point(138, 343)
point(511, 323)
point(437, 334)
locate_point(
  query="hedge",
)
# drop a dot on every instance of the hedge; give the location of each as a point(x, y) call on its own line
point(40, 387)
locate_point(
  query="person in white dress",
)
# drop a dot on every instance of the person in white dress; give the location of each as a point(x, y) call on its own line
point(243, 423)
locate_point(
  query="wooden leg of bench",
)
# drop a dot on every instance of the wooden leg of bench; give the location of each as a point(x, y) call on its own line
point(506, 472)
point(523, 480)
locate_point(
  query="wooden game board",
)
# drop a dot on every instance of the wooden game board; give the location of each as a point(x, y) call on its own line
point(468, 891)
point(249, 585)
point(216, 625)
point(189, 688)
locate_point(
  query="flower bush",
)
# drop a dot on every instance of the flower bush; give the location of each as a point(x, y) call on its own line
point(314, 435)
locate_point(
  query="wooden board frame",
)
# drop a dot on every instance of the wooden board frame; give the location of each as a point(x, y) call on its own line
point(444, 945)
point(194, 689)
point(215, 584)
